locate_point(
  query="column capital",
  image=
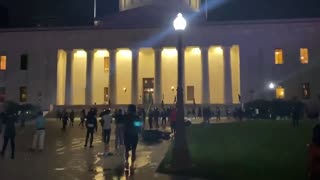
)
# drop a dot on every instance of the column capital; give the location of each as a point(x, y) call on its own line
point(226, 47)
point(204, 48)
point(157, 49)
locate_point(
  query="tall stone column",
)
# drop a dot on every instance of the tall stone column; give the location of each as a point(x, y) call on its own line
point(69, 58)
point(89, 80)
point(112, 77)
point(227, 75)
point(205, 76)
point(134, 76)
point(157, 76)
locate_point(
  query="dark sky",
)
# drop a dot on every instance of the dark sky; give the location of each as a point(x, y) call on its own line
point(80, 12)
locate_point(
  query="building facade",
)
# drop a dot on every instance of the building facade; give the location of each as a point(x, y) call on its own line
point(118, 66)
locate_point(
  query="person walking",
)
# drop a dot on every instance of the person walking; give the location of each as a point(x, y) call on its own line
point(72, 117)
point(82, 117)
point(91, 125)
point(65, 119)
point(119, 132)
point(9, 133)
point(39, 135)
point(132, 128)
point(106, 120)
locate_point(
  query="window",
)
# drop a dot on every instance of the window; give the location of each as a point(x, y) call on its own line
point(306, 90)
point(278, 55)
point(280, 93)
point(304, 56)
point(24, 62)
point(106, 64)
point(3, 63)
point(23, 94)
point(106, 94)
point(2, 94)
point(190, 93)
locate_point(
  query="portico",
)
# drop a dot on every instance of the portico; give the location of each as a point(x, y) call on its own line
point(118, 76)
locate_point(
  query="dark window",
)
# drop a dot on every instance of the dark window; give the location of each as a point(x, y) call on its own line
point(2, 94)
point(23, 94)
point(24, 62)
point(306, 90)
point(190, 93)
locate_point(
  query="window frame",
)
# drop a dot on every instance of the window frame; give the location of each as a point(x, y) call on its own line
point(23, 90)
point(278, 56)
point(304, 55)
point(190, 97)
point(24, 62)
point(3, 58)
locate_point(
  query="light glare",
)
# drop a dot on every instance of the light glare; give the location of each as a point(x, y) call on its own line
point(179, 22)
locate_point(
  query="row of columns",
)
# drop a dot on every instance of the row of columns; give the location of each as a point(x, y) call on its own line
point(157, 77)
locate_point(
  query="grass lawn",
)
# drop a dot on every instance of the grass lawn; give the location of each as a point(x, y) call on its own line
point(254, 150)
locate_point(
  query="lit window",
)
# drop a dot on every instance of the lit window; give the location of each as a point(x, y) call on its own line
point(280, 93)
point(306, 90)
point(3, 63)
point(23, 94)
point(304, 55)
point(190, 93)
point(278, 55)
point(106, 64)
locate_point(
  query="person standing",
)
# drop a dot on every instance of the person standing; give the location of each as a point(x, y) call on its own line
point(106, 120)
point(82, 117)
point(119, 132)
point(91, 125)
point(132, 128)
point(218, 112)
point(65, 119)
point(72, 117)
point(9, 133)
point(172, 119)
point(156, 115)
point(150, 119)
point(164, 118)
point(39, 135)
point(23, 117)
point(296, 114)
point(143, 112)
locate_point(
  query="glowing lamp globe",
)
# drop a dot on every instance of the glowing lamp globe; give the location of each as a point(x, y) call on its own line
point(179, 23)
point(271, 86)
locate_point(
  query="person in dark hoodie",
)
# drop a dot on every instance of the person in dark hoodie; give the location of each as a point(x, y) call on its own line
point(92, 126)
point(10, 118)
point(132, 128)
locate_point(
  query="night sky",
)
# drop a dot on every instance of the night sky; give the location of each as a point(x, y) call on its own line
point(26, 13)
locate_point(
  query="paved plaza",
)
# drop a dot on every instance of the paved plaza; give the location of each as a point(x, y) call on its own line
point(65, 157)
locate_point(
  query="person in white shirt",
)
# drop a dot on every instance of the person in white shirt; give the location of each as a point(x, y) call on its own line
point(106, 120)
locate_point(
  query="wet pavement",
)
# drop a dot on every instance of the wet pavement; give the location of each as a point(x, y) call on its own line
point(65, 158)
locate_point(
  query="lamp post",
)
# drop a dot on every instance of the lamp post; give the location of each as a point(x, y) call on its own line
point(181, 158)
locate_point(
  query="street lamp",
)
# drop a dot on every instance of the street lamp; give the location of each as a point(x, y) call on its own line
point(271, 85)
point(181, 158)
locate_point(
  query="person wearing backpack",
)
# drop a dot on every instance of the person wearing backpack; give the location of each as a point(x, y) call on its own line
point(132, 128)
point(91, 125)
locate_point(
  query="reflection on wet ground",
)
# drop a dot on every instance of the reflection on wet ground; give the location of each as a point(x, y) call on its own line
point(66, 158)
